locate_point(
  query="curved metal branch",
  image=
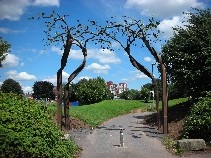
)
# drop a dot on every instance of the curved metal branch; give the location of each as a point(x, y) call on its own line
point(140, 67)
point(66, 89)
point(164, 83)
point(79, 69)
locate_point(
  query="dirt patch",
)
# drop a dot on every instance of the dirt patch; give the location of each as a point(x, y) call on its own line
point(74, 123)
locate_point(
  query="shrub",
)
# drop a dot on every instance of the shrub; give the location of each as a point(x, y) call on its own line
point(91, 91)
point(198, 122)
point(27, 131)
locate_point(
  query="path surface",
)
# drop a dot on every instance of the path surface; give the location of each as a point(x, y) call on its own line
point(140, 141)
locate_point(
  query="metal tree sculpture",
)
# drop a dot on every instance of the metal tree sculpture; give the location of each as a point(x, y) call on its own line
point(58, 31)
point(133, 30)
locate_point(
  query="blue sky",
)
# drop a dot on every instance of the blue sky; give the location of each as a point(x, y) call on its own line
point(27, 61)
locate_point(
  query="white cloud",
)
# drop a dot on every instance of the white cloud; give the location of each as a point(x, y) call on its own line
point(10, 61)
point(13, 10)
point(167, 25)
point(7, 30)
point(27, 89)
point(97, 68)
point(163, 8)
point(106, 56)
point(74, 54)
point(53, 79)
point(141, 75)
point(47, 2)
point(147, 59)
point(115, 44)
point(57, 50)
point(13, 74)
point(103, 56)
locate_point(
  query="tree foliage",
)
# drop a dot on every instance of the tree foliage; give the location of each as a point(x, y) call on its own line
point(91, 90)
point(26, 130)
point(173, 92)
point(43, 89)
point(11, 86)
point(4, 50)
point(187, 54)
point(145, 94)
point(131, 94)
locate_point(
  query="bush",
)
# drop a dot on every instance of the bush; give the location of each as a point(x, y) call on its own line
point(91, 91)
point(145, 94)
point(198, 122)
point(27, 131)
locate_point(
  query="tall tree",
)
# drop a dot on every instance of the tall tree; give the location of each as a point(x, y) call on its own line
point(4, 50)
point(11, 86)
point(43, 89)
point(187, 54)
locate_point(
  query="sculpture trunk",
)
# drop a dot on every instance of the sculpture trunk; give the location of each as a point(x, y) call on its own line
point(59, 99)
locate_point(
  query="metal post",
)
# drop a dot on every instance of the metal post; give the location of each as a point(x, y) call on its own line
point(165, 100)
point(121, 138)
point(152, 67)
point(153, 84)
point(66, 107)
point(59, 99)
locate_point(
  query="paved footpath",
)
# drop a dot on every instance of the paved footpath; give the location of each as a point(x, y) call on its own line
point(140, 141)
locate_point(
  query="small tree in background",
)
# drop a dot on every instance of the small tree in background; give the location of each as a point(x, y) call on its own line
point(92, 90)
point(145, 94)
point(4, 50)
point(11, 86)
point(43, 89)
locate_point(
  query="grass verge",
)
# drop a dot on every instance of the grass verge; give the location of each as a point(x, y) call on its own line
point(95, 114)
